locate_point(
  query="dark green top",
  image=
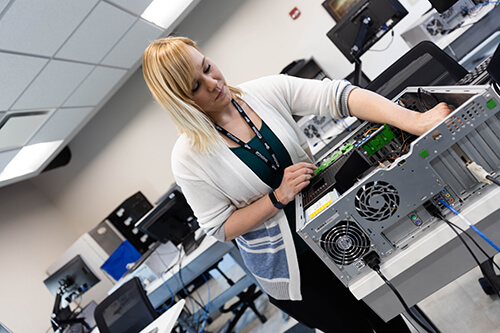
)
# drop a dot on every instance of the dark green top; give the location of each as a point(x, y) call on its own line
point(268, 175)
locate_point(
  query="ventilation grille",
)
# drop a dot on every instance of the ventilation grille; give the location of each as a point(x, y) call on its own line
point(377, 201)
point(455, 123)
point(345, 243)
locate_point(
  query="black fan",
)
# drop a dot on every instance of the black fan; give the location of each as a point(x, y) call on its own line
point(377, 201)
point(434, 27)
point(345, 243)
point(311, 131)
point(319, 120)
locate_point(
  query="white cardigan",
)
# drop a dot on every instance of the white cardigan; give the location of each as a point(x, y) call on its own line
point(215, 185)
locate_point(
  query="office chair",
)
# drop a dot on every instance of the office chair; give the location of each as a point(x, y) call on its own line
point(126, 310)
point(424, 65)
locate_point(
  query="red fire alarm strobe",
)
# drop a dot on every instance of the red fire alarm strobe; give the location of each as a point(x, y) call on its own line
point(294, 13)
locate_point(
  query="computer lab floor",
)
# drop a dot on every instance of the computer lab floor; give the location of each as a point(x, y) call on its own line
point(461, 306)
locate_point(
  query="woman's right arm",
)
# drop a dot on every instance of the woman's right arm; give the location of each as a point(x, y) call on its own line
point(295, 178)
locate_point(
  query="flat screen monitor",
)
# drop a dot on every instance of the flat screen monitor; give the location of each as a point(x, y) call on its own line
point(172, 219)
point(339, 8)
point(442, 5)
point(383, 15)
point(72, 280)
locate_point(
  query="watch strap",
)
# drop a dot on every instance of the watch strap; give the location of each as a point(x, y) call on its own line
point(275, 201)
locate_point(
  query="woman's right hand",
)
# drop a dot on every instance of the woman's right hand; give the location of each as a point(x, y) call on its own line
point(295, 178)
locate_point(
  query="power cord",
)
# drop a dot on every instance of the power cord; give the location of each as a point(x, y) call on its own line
point(372, 260)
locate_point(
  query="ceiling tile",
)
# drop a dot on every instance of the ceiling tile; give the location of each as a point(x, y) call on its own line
point(41, 27)
point(6, 157)
point(100, 31)
point(95, 87)
point(16, 73)
point(62, 124)
point(130, 48)
point(53, 86)
point(3, 4)
point(19, 128)
point(135, 6)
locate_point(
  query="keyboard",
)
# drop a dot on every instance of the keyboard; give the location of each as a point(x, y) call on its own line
point(478, 75)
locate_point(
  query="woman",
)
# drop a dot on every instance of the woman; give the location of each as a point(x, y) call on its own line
point(241, 159)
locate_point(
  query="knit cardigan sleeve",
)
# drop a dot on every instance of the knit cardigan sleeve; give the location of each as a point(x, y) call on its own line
point(304, 96)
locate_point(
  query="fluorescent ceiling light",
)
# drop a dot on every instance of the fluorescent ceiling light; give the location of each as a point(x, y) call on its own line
point(29, 159)
point(163, 13)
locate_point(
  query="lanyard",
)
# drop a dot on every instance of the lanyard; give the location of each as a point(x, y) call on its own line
point(276, 165)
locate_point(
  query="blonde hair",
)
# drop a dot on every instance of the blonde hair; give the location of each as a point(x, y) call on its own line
point(169, 72)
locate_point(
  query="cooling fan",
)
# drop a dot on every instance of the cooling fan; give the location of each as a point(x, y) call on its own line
point(311, 131)
point(377, 201)
point(345, 243)
point(319, 120)
point(434, 27)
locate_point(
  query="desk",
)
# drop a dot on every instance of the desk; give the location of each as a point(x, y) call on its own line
point(433, 261)
point(166, 322)
point(209, 252)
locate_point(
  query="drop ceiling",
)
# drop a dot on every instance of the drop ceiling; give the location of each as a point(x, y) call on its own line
point(60, 61)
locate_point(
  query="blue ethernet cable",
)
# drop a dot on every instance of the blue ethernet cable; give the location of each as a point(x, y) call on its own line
point(206, 306)
point(171, 293)
point(473, 227)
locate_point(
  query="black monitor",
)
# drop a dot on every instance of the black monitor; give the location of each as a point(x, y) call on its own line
point(339, 8)
point(442, 5)
point(71, 281)
point(68, 283)
point(364, 25)
point(172, 219)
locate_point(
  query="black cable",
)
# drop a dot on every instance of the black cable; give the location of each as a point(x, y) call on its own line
point(451, 224)
point(372, 260)
point(494, 180)
point(400, 298)
point(191, 315)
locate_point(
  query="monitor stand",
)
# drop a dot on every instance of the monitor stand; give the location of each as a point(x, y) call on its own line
point(189, 243)
point(357, 48)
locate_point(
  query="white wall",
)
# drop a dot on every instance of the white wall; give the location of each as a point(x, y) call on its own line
point(249, 39)
point(126, 147)
point(32, 234)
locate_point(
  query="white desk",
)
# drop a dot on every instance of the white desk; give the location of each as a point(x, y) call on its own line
point(434, 260)
point(208, 253)
point(166, 322)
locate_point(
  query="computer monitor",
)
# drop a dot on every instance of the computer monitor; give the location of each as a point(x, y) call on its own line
point(442, 5)
point(71, 281)
point(338, 8)
point(364, 25)
point(172, 219)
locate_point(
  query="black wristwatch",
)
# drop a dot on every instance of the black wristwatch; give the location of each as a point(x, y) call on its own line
point(275, 201)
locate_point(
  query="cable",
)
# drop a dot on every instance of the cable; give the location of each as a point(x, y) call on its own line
point(388, 45)
point(171, 293)
point(191, 297)
point(473, 227)
point(493, 180)
point(463, 240)
point(466, 10)
point(373, 261)
point(451, 224)
point(208, 303)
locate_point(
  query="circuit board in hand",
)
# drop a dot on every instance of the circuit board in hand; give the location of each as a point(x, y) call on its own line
point(340, 173)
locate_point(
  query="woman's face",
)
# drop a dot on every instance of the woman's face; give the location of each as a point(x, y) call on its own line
point(209, 89)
